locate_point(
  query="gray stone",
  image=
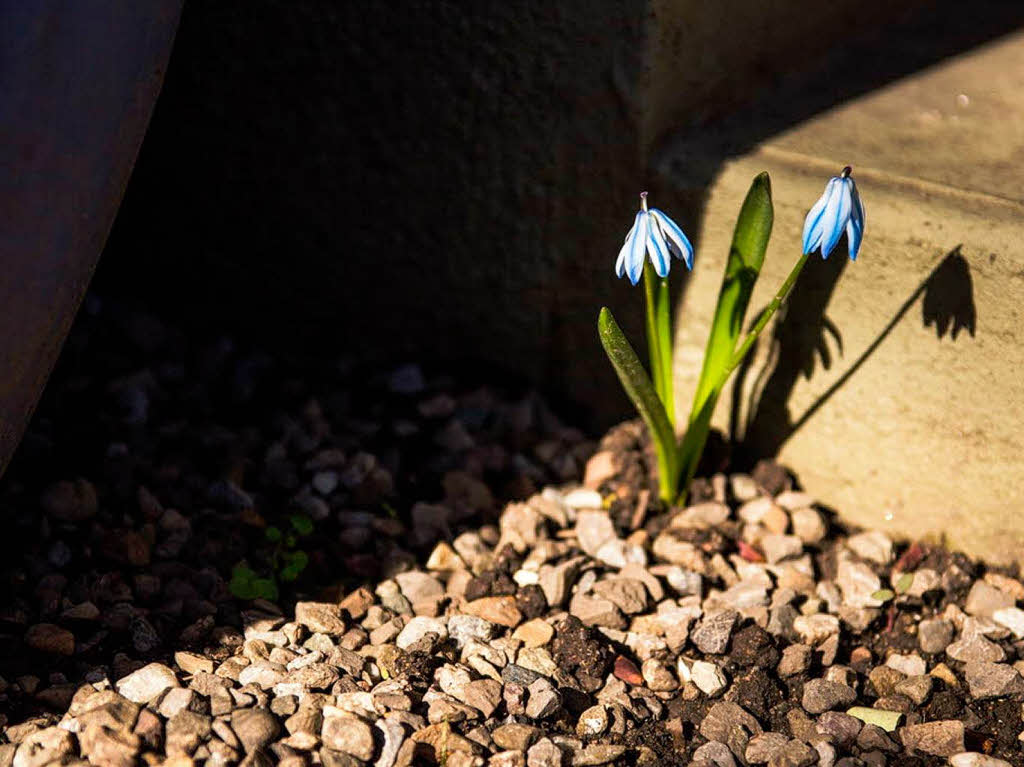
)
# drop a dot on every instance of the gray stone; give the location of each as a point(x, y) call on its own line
point(983, 600)
point(320, 617)
point(544, 753)
point(934, 635)
point(992, 680)
point(826, 753)
point(597, 753)
point(917, 688)
point(874, 738)
point(421, 589)
point(708, 677)
point(482, 694)
point(841, 729)
point(147, 683)
point(178, 699)
point(1011, 618)
point(763, 747)
point(392, 736)
point(795, 753)
point(858, 582)
point(941, 738)
point(254, 727)
point(712, 634)
point(592, 722)
point(657, 676)
point(594, 611)
point(543, 701)
point(51, 745)
point(974, 759)
point(808, 525)
point(468, 628)
point(185, 731)
point(731, 724)
point(796, 659)
point(975, 648)
point(349, 735)
point(555, 580)
point(779, 547)
point(515, 737)
point(593, 529)
point(872, 545)
point(816, 628)
point(821, 695)
point(627, 594)
point(264, 674)
point(714, 753)
point(314, 676)
point(419, 627)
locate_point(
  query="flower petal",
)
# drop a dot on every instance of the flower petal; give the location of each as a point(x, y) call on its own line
point(658, 249)
point(637, 245)
point(620, 262)
point(812, 224)
point(676, 236)
point(835, 218)
point(855, 229)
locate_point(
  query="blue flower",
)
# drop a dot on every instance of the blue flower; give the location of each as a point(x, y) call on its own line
point(659, 236)
point(837, 210)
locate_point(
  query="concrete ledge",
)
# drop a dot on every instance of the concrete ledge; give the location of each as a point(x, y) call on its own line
point(915, 425)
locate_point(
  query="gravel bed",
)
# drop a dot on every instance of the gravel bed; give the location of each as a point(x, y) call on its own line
point(484, 587)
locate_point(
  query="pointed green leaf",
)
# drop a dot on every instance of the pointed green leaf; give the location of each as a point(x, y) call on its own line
point(904, 583)
point(641, 392)
point(746, 255)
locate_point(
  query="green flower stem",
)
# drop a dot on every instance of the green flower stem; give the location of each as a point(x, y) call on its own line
point(664, 323)
point(653, 343)
point(659, 338)
point(762, 321)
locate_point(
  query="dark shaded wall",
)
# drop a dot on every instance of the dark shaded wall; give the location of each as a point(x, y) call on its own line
point(390, 184)
point(452, 180)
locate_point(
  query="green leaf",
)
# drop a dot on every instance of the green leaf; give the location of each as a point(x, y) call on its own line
point(904, 582)
point(297, 562)
point(289, 541)
point(265, 588)
point(884, 595)
point(302, 524)
point(643, 396)
point(241, 583)
point(272, 534)
point(746, 256)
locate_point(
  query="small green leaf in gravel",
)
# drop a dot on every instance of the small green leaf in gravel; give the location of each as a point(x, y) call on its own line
point(272, 534)
point(904, 583)
point(302, 524)
point(884, 595)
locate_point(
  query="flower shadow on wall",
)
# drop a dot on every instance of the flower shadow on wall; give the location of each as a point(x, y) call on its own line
point(801, 339)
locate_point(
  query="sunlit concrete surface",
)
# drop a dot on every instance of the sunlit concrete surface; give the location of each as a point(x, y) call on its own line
point(915, 425)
